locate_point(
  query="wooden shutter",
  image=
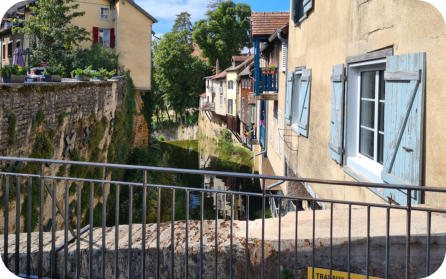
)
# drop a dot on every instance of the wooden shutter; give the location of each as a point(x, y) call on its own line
point(112, 38)
point(95, 35)
point(403, 121)
point(289, 92)
point(337, 114)
point(304, 102)
point(284, 56)
point(308, 4)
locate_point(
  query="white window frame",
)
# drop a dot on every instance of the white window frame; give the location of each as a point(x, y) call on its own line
point(103, 31)
point(100, 13)
point(360, 164)
point(295, 96)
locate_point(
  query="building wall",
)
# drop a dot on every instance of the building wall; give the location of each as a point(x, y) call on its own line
point(232, 93)
point(324, 40)
point(92, 17)
point(134, 43)
point(221, 103)
point(5, 41)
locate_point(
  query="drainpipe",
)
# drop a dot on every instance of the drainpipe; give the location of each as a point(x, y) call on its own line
point(279, 36)
point(258, 154)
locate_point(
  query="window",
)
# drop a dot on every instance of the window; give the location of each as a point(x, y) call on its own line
point(300, 9)
point(243, 103)
point(295, 102)
point(4, 51)
point(371, 114)
point(221, 100)
point(104, 13)
point(249, 84)
point(230, 84)
point(10, 49)
point(230, 106)
point(364, 148)
point(104, 37)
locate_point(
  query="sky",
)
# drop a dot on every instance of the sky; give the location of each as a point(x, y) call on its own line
point(165, 11)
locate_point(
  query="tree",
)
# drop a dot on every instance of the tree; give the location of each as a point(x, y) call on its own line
point(224, 33)
point(178, 74)
point(50, 31)
point(182, 22)
point(213, 4)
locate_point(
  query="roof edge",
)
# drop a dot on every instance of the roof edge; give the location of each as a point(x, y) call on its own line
point(138, 7)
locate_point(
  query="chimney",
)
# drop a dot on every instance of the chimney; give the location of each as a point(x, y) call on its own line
point(217, 67)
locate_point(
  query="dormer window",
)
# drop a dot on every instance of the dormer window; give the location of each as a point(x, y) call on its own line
point(105, 13)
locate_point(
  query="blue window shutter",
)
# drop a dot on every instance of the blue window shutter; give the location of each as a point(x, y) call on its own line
point(337, 114)
point(304, 102)
point(308, 4)
point(289, 91)
point(403, 122)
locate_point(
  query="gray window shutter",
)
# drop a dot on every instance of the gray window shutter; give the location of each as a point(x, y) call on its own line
point(304, 102)
point(284, 56)
point(308, 4)
point(337, 114)
point(289, 92)
point(403, 122)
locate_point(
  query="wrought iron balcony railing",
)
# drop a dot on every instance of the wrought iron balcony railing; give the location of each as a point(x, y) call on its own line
point(194, 236)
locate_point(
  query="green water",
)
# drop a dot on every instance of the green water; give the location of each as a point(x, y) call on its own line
point(195, 154)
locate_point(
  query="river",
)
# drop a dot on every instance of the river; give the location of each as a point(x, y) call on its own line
point(205, 154)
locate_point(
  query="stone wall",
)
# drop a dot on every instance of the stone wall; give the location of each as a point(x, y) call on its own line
point(177, 133)
point(65, 121)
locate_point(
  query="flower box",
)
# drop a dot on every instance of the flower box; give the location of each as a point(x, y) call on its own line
point(14, 79)
point(53, 78)
point(82, 78)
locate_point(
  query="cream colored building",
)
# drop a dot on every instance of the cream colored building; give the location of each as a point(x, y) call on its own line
point(122, 26)
point(367, 99)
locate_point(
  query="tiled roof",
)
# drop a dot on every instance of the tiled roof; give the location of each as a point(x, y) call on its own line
point(239, 58)
point(198, 52)
point(239, 67)
point(265, 23)
point(217, 76)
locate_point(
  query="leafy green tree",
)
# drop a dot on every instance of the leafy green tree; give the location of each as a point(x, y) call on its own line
point(98, 57)
point(224, 33)
point(177, 73)
point(182, 22)
point(50, 31)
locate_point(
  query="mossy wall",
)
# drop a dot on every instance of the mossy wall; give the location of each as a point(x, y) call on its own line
point(65, 121)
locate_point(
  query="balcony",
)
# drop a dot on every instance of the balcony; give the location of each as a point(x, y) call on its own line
point(208, 107)
point(268, 86)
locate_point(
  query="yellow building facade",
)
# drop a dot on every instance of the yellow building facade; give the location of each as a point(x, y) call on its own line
point(122, 26)
point(354, 45)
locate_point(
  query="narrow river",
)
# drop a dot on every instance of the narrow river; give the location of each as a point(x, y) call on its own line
point(203, 154)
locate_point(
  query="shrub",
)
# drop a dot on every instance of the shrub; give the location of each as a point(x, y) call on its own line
point(8, 70)
point(161, 138)
point(98, 57)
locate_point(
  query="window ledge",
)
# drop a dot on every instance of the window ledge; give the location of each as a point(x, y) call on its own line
point(361, 178)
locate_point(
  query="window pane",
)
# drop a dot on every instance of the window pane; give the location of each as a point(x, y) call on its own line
point(380, 148)
point(382, 86)
point(366, 142)
point(294, 100)
point(381, 117)
point(368, 85)
point(368, 114)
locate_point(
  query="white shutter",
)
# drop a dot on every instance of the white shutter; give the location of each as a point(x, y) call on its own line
point(284, 56)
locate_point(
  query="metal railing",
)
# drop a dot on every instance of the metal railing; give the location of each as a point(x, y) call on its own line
point(269, 81)
point(8, 177)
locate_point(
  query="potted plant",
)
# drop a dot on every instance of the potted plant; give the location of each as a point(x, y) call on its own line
point(53, 73)
point(82, 74)
point(13, 74)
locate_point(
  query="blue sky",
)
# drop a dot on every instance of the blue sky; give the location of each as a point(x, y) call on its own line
point(166, 10)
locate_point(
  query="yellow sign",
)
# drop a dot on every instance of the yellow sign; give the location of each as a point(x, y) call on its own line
point(320, 273)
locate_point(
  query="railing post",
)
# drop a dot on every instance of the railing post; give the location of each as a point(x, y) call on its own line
point(409, 208)
point(262, 272)
point(40, 258)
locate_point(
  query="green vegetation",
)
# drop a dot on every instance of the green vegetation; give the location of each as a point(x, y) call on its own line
point(224, 32)
point(49, 24)
point(97, 57)
point(89, 72)
point(177, 75)
point(12, 123)
point(55, 70)
point(8, 70)
point(40, 118)
point(286, 274)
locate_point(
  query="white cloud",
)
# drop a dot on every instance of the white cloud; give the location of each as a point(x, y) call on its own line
point(168, 9)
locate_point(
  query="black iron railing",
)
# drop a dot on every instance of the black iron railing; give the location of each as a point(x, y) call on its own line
point(50, 183)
